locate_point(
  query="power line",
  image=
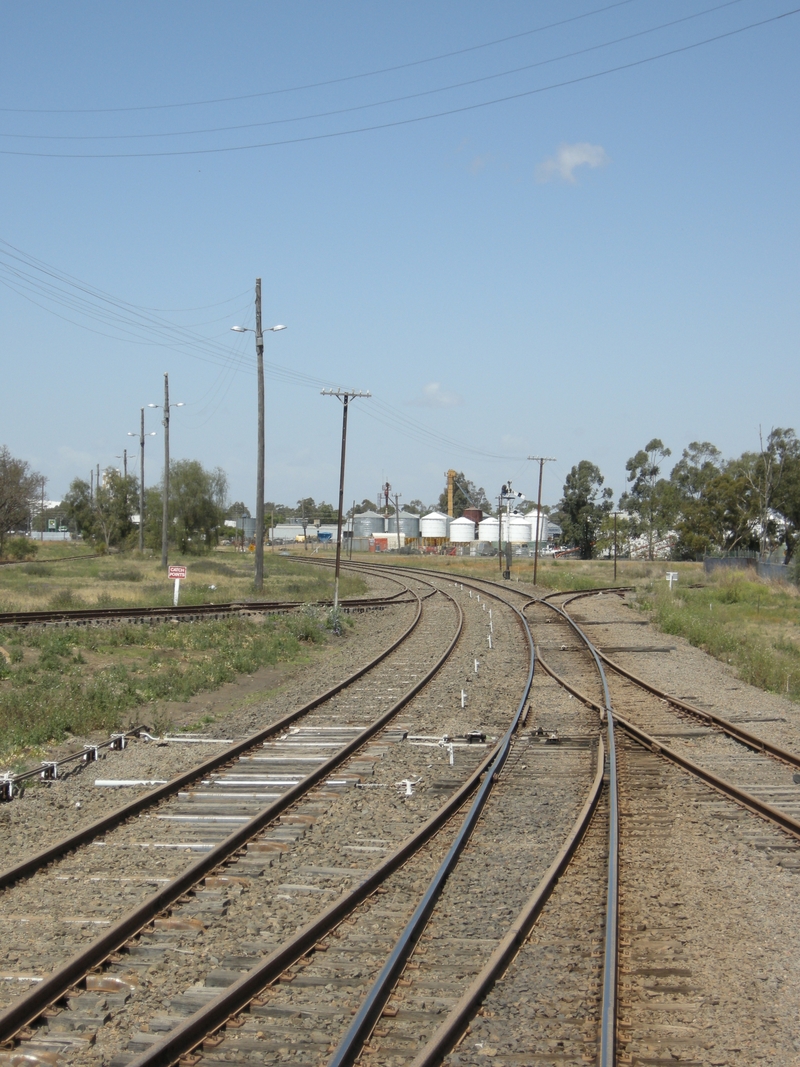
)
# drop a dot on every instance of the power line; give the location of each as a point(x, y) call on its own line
point(319, 84)
point(375, 103)
point(632, 64)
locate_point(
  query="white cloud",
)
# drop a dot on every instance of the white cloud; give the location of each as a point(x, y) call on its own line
point(569, 156)
point(433, 396)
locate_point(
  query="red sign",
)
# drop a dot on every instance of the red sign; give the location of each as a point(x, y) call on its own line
point(176, 572)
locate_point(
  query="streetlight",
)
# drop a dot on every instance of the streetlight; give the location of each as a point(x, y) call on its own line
point(165, 511)
point(259, 575)
point(345, 396)
point(141, 435)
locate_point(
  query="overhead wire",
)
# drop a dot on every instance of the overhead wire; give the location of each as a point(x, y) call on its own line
point(413, 120)
point(378, 103)
point(122, 315)
point(320, 84)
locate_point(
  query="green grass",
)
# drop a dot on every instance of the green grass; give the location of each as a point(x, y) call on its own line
point(751, 624)
point(118, 580)
point(56, 682)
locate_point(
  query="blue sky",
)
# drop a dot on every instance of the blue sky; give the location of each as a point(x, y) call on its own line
point(569, 273)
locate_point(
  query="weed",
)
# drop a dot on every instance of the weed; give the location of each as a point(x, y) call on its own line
point(64, 600)
point(37, 570)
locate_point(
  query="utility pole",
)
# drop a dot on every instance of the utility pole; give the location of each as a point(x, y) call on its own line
point(165, 493)
point(397, 517)
point(91, 487)
point(141, 435)
point(259, 575)
point(165, 502)
point(615, 545)
point(352, 529)
point(345, 396)
point(541, 460)
point(41, 535)
point(258, 580)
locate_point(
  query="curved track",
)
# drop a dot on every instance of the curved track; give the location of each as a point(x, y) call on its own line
point(249, 814)
point(381, 1016)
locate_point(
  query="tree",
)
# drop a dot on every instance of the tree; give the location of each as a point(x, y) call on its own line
point(238, 509)
point(111, 507)
point(784, 448)
point(19, 487)
point(416, 506)
point(196, 506)
point(692, 477)
point(465, 495)
point(359, 509)
point(651, 501)
point(104, 517)
point(582, 508)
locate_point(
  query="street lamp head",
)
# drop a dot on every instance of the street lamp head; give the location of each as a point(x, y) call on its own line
point(240, 329)
point(181, 404)
point(132, 434)
point(274, 329)
point(154, 405)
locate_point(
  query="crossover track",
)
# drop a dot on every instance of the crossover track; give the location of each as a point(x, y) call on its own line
point(289, 783)
point(255, 1019)
point(647, 715)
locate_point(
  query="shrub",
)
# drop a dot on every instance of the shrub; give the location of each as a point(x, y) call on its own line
point(21, 548)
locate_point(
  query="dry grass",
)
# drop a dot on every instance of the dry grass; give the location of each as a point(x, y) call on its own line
point(132, 581)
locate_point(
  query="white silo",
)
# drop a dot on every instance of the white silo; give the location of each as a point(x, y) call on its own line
point(533, 518)
point(462, 530)
point(433, 525)
point(516, 528)
point(488, 528)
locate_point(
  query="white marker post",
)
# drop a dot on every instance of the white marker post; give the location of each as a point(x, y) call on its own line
point(672, 576)
point(176, 573)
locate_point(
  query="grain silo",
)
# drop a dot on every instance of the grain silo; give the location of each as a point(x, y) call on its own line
point(516, 528)
point(462, 530)
point(368, 523)
point(488, 529)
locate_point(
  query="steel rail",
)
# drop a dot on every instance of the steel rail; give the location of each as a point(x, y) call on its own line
point(608, 1015)
point(448, 1034)
point(608, 1027)
point(184, 611)
point(375, 1001)
point(186, 1037)
point(56, 559)
point(753, 741)
point(28, 1007)
point(727, 789)
point(107, 822)
point(48, 769)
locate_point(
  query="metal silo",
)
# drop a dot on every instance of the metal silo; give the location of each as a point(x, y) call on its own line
point(488, 529)
point(368, 523)
point(462, 530)
point(433, 525)
point(409, 525)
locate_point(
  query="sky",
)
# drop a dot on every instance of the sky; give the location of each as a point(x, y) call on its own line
point(553, 227)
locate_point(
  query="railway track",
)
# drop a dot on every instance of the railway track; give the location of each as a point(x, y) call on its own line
point(300, 1017)
point(485, 935)
point(663, 1017)
point(193, 823)
point(182, 613)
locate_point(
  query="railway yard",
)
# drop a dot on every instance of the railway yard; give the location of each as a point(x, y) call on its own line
point(489, 826)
